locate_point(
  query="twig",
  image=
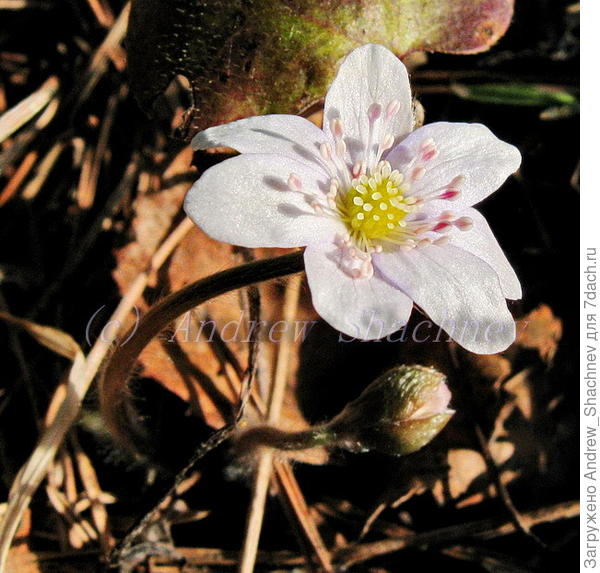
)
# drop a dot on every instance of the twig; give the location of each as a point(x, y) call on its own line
point(483, 529)
point(265, 462)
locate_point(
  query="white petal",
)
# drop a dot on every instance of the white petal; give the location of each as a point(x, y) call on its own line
point(370, 74)
point(480, 241)
point(289, 135)
point(458, 291)
point(366, 309)
point(246, 201)
point(467, 149)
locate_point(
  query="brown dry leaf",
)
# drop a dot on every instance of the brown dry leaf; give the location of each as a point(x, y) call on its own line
point(520, 388)
point(20, 558)
point(490, 367)
point(542, 331)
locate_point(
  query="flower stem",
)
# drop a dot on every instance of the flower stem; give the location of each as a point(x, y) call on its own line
point(271, 437)
point(114, 404)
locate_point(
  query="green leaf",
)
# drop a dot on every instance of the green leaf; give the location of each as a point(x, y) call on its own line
point(249, 57)
point(516, 94)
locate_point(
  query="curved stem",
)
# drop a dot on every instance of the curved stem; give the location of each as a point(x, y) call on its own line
point(115, 408)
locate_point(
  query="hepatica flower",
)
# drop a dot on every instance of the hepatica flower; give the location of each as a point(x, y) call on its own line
point(386, 213)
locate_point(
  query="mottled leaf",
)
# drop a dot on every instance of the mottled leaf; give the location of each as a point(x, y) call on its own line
point(249, 57)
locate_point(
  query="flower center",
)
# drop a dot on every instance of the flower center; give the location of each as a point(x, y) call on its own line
point(375, 207)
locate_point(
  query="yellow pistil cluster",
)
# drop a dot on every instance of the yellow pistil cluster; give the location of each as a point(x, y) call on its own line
point(375, 207)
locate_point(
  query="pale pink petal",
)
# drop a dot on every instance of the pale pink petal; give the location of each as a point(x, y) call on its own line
point(369, 75)
point(480, 241)
point(247, 201)
point(457, 290)
point(366, 309)
point(289, 135)
point(467, 150)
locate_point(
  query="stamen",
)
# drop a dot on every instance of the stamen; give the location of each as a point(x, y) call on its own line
point(294, 182)
point(450, 195)
point(325, 150)
point(387, 142)
point(358, 168)
point(392, 109)
point(442, 227)
point(428, 150)
point(336, 128)
point(374, 112)
point(417, 173)
point(464, 223)
point(458, 181)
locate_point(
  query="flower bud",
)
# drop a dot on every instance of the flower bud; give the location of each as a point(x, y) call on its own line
point(399, 413)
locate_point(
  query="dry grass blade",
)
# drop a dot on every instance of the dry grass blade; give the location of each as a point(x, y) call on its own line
point(109, 49)
point(293, 495)
point(52, 338)
point(92, 162)
point(102, 12)
point(18, 177)
point(265, 463)
point(22, 4)
point(32, 188)
point(80, 376)
point(20, 114)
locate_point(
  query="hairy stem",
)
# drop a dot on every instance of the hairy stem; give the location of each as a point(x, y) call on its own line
point(270, 437)
point(115, 407)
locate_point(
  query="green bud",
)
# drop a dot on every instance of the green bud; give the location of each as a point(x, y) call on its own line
point(399, 413)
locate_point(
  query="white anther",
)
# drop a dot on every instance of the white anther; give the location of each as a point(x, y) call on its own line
point(294, 182)
point(340, 148)
point(374, 112)
point(325, 150)
point(457, 182)
point(392, 109)
point(464, 223)
point(387, 142)
point(417, 173)
point(367, 207)
point(358, 168)
point(358, 201)
point(336, 127)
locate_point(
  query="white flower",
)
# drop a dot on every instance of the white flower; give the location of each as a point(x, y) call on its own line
point(385, 212)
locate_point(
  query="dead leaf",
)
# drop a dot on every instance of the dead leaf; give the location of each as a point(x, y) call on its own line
point(542, 331)
point(249, 58)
